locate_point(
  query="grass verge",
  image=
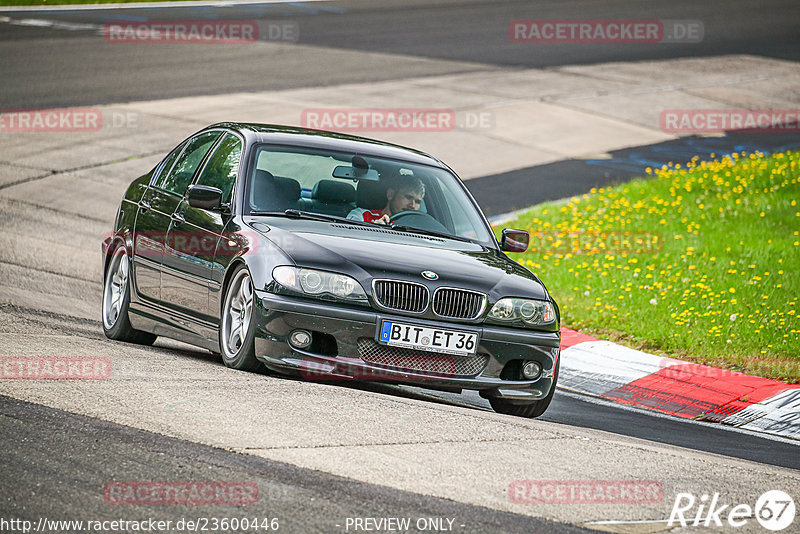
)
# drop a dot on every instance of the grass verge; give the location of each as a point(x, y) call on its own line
point(700, 262)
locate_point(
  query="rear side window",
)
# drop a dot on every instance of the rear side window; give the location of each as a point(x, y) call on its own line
point(222, 166)
point(169, 161)
point(178, 178)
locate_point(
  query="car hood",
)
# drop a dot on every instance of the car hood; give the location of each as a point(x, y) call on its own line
point(370, 254)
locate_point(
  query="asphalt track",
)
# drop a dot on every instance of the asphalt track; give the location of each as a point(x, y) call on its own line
point(500, 194)
point(45, 67)
point(47, 472)
point(49, 66)
point(37, 483)
point(586, 412)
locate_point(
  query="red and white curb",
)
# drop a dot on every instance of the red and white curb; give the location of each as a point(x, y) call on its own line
point(683, 389)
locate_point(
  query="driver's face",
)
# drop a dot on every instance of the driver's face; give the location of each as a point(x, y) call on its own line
point(404, 200)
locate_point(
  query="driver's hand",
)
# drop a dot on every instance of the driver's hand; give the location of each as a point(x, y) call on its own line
point(384, 219)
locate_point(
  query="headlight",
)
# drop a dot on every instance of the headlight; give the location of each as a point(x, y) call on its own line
point(319, 283)
point(524, 312)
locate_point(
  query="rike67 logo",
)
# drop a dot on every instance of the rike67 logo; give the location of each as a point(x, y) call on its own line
point(774, 510)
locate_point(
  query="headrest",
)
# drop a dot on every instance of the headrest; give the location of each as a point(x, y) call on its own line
point(371, 195)
point(288, 188)
point(263, 183)
point(263, 191)
point(273, 192)
point(333, 192)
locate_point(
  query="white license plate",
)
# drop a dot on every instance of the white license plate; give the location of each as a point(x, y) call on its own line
point(417, 337)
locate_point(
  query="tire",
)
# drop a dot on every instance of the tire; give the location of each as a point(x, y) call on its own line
point(116, 299)
point(236, 326)
point(528, 409)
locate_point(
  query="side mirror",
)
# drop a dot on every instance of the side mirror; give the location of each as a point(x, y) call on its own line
point(514, 240)
point(204, 197)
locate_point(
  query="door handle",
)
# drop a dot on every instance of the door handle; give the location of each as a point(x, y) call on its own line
point(144, 205)
point(178, 218)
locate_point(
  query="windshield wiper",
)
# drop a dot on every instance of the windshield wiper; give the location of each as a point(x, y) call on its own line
point(415, 230)
point(299, 214)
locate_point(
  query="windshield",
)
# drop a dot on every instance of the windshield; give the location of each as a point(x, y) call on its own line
point(363, 188)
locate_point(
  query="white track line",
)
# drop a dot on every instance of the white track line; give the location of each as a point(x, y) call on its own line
point(627, 522)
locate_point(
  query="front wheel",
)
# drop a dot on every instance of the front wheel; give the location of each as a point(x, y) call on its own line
point(116, 298)
point(236, 329)
point(529, 409)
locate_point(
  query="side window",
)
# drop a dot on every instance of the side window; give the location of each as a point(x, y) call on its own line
point(464, 226)
point(180, 176)
point(168, 162)
point(222, 166)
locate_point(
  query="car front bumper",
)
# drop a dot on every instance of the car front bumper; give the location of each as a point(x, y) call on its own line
point(354, 330)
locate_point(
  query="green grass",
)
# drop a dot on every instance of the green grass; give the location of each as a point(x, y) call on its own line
point(697, 262)
point(68, 2)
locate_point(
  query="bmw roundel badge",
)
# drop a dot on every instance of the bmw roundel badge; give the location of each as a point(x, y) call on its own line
point(430, 275)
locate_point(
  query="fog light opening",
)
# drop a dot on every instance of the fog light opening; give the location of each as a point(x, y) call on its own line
point(531, 370)
point(300, 339)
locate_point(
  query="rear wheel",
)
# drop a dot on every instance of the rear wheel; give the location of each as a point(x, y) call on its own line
point(116, 298)
point(529, 409)
point(236, 329)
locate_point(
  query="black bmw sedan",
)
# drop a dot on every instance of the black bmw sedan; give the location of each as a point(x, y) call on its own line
point(330, 257)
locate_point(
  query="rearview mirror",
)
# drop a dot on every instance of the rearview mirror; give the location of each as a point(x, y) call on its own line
point(204, 197)
point(354, 173)
point(514, 240)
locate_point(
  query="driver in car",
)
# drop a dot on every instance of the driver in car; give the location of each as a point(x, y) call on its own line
point(405, 195)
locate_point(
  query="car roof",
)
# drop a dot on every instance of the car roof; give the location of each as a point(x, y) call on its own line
point(292, 135)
